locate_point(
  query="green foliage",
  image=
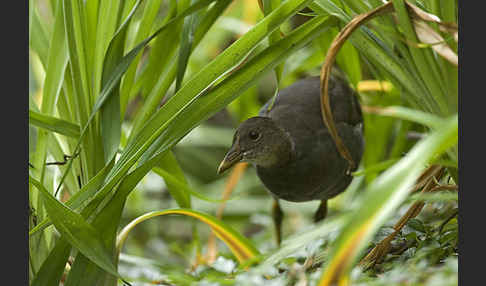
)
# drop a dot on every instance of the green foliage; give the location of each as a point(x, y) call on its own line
point(135, 103)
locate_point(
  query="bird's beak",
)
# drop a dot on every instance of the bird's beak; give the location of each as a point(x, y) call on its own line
point(233, 156)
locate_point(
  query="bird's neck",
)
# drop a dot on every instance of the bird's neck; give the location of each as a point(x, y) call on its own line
point(280, 154)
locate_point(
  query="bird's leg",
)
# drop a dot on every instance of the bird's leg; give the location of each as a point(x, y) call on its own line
point(277, 216)
point(321, 211)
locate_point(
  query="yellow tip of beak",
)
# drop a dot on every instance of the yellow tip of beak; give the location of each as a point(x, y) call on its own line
point(229, 161)
point(223, 166)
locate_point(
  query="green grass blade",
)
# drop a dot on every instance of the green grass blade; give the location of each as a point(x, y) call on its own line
point(187, 38)
point(53, 124)
point(91, 9)
point(83, 272)
point(177, 185)
point(153, 99)
point(117, 201)
point(106, 28)
point(56, 255)
point(376, 168)
point(107, 221)
point(79, 94)
point(80, 197)
point(53, 267)
point(56, 64)
point(39, 39)
point(162, 51)
point(143, 29)
point(76, 230)
point(169, 164)
point(111, 125)
point(110, 111)
point(348, 60)
point(106, 224)
point(417, 116)
point(76, 29)
point(423, 58)
point(358, 6)
point(213, 13)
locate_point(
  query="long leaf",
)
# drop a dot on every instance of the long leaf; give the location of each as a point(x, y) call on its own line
point(106, 28)
point(74, 202)
point(177, 185)
point(80, 93)
point(55, 262)
point(74, 228)
point(143, 29)
point(51, 270)
point(169, 164)
point(56, 64)
point(187, 39)
point(53, 124)
point(39, 38)
point(417, 116)
point(110, 111)
point(241, 247)
point(423, 58)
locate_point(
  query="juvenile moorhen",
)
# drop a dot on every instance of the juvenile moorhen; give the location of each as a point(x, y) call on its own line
point(295, 157)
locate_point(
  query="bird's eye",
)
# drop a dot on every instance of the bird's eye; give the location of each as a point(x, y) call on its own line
point(254, 135)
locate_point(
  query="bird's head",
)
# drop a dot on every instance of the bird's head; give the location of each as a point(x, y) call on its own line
point(260, 141)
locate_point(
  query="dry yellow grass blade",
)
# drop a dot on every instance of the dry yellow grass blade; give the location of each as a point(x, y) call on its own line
point(336, 44)
point(428, 36)
point(239, 245)
point(374, 85)
point(420, 14)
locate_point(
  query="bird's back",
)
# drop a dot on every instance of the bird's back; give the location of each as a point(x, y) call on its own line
point(317, 171)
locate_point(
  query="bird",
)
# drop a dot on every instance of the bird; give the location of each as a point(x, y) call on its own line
point(294, 154)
